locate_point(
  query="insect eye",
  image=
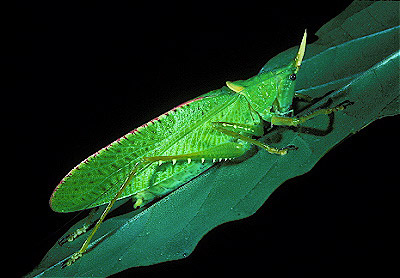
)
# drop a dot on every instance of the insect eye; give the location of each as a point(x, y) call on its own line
point(292, 77)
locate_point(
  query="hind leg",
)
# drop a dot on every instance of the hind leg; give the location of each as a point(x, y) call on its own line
point(228, 150)
point(77, 255)
point(218, 153)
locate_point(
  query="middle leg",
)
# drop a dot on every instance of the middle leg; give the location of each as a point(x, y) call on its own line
point(295, 121)
point(233, 129)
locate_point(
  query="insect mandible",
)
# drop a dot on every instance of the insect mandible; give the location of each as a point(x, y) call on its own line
point(165, 153)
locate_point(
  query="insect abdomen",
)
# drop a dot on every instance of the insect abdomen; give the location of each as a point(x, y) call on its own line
point(170, 183)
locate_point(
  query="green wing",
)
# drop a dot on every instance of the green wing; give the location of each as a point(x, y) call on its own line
point(181, 130)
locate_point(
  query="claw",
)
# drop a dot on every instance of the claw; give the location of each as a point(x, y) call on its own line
point(345, 103)
point(74, 235)
point(71, 259)
point(291, 148)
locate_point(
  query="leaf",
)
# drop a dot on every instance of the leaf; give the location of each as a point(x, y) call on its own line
point(356, 57)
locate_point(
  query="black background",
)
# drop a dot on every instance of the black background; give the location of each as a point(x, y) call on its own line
point(81, 75)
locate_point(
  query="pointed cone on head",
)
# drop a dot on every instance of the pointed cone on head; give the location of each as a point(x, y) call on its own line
point(302, 50)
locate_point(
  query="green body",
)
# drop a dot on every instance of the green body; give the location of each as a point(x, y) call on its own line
point(185, 133)
point(168, 151)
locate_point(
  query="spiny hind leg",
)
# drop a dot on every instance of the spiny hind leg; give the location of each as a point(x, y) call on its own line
point(139, 166)
point(233, 129)
point(229, 150)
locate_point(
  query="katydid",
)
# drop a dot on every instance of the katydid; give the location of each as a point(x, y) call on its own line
point(165, 153)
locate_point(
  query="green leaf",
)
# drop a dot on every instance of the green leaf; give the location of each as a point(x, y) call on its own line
point(356, 58)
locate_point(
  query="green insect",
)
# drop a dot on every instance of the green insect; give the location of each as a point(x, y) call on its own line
point(165, 153)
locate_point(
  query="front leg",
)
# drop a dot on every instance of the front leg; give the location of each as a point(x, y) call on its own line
point(295, 121)
point(303, 97)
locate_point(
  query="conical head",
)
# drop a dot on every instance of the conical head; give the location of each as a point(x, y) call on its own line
point(302, 50)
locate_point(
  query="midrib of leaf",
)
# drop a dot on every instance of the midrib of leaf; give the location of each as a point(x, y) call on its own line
point(349, 44)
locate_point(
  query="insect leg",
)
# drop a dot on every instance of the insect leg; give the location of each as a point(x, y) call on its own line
point(81, 230)
point(77, 255)
point(303, 97)
point(220, 152)
point(227, 150)
point(256, 130)
point(294, 121)
point(228, 128)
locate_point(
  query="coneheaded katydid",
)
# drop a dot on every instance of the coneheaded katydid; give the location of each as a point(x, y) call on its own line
point(163, 154)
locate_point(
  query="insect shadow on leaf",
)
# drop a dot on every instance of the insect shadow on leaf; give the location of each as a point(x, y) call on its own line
point(299, 107)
